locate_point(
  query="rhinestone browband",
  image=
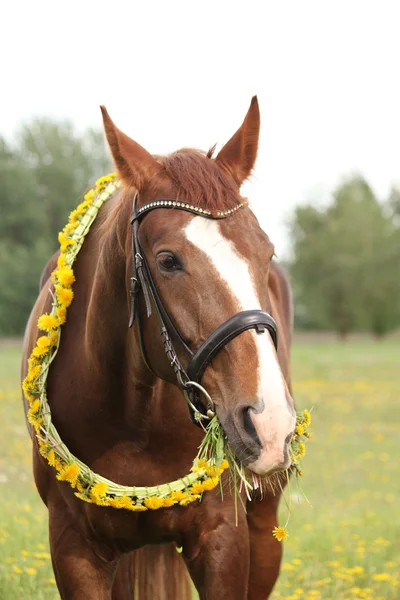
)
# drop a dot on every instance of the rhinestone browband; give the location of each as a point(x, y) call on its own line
point(167, 203)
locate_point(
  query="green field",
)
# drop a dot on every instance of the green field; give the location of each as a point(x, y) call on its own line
point(344, 541)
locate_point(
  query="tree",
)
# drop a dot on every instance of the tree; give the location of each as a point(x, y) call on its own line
point(43, 176)
point(64, 164)
point(343, 266)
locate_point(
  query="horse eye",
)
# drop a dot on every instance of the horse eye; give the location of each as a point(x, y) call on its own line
point(168, 262)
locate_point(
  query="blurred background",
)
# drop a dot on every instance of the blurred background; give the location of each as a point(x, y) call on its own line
point(326, 189)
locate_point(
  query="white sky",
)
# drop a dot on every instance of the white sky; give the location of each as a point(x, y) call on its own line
point(176, 74)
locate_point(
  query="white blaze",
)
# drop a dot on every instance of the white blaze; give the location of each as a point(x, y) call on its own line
point(276, 421)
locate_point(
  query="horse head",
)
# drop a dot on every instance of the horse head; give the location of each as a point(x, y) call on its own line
point(207, 270)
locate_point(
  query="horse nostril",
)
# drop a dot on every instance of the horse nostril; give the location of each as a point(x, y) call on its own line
point(249, 425)
point(288, 438)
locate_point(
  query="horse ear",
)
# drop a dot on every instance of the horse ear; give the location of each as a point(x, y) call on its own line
point(240, 153)
point(135, 165)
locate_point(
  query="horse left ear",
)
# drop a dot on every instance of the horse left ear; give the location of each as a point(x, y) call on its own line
point(239, 155)
point(135, 165)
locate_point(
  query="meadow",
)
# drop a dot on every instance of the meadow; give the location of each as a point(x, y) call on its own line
point(344, 528)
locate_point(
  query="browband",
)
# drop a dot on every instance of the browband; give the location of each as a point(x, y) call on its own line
point(197, 210)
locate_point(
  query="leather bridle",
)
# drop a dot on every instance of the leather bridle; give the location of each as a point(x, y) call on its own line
point(189, 379)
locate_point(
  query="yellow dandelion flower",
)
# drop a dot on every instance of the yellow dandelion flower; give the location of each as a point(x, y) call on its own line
point(35, 407)
point(89, 197)
point(200, 465)
point(64, 241)
point(114, 502)
point(189, 500)
point(62, 238)
point(47, 322)
point(65, 277)
point(39, 352)
point(28, 385)
point(73, 216)
point(61, 313)
point(196, 488)
point(381, 577)
point(64, 247)
point(51, 457)
point(68, 229)
point(153, 503)
point(307, 417)
point(178, 496)
point(301, 450)
point(69, 473)
point(300, 429)
point(59, 464)
point(125, 502)
point(33, 372)
point(31, 571)
point(97, 491)
point(32, 362)
point(43, 342)
point(167, 502)
point(36, 423)
point(33, 416)
point(117, 502)
point(280, 533)
point(64, 295)
point(43, 448)
point(27, 389)
point(17, 570)
point(103, 181)
point(213, 470)
point(211, 483)
point(61, 261)
point(85, 204)
point(53, 337)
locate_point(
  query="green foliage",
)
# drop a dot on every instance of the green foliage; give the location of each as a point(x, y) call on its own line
point(43, 176)
point(345, 266)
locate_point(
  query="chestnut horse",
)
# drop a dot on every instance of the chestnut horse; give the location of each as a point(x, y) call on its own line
point(130, 422)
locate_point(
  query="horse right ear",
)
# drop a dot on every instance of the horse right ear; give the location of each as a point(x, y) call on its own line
point(239, 154)
point(134, 164)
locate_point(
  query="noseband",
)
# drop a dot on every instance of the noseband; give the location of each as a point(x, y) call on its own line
point(189, 379)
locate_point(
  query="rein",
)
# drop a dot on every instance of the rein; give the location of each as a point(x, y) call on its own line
point(189, 379)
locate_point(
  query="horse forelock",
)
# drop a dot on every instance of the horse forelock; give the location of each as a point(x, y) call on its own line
point(200, 180)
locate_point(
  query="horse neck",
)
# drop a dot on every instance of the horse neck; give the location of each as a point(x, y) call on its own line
point(112, 352)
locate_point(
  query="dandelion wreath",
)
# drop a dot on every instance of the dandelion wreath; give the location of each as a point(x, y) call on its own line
point(211, 460)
